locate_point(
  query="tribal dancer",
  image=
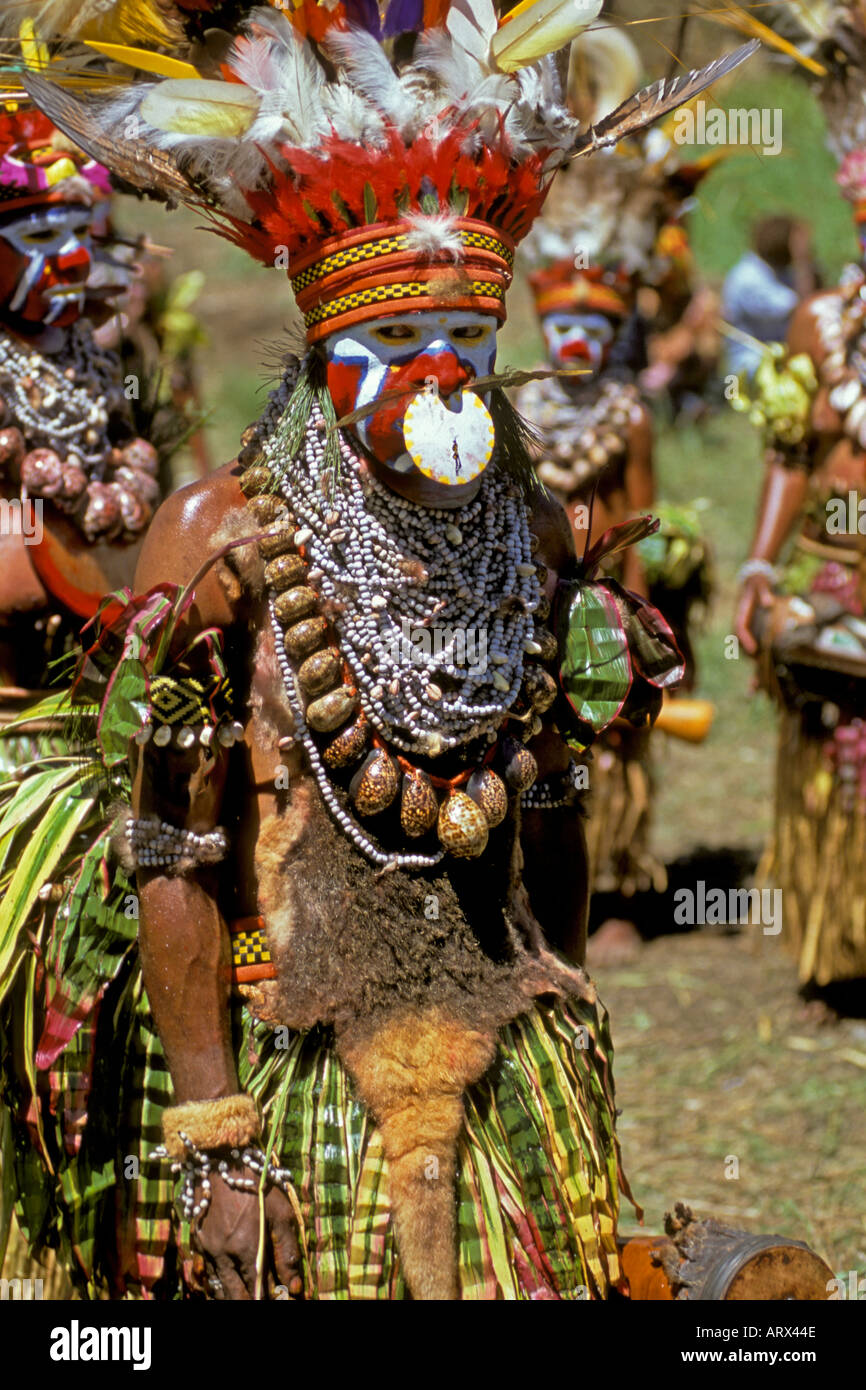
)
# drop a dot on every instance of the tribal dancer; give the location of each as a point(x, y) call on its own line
point(807, 619)
point(590, 253)
point(77, 489)
point(77, 485)
point(339, 648)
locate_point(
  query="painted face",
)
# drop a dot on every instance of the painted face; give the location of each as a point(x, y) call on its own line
point(436, 425)
point(44, 264)
point(578, 340)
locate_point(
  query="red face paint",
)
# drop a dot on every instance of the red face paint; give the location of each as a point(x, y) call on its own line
point(43, 252)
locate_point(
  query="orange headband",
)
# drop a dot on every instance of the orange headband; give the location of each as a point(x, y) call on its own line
point(377, 270)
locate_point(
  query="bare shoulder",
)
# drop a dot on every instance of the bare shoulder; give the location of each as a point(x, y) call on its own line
point(549, 522)
point(188, 529)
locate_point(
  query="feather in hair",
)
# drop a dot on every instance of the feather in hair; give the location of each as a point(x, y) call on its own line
point(653, 102)
point(158, 63)
point(93, 126)
point(200, 108)
point(351, 117)
point(431, 236)
point(293, 108)
point(368, 69)
point(253, 61)
point(105, 21)
point(472, 26)
point(537, 27)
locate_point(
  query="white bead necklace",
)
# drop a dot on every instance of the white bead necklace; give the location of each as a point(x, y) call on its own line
point(395, 571)
point(62, 400)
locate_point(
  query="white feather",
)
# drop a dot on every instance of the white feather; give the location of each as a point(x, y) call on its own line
point(457, 73)
point(432, 235)
point(253, 61)
point(351, 117)
point(363, 60)
point(472, 26)
point(282, 68)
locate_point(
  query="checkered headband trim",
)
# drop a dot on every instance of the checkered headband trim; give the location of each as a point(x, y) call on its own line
point(360, 275)
point(251, 958)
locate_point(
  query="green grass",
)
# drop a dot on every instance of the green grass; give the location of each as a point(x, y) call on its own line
point(799, 181)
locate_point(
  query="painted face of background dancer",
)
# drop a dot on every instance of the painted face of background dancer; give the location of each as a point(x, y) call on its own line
point(402, 352)
point(579, 341)
point(44, 264)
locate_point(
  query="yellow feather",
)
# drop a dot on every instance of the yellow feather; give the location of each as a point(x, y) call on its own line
point(131, 21)
point(735, 17)
point(538, 27)
point(184, 107)
point(34, 53)
point(146, 62)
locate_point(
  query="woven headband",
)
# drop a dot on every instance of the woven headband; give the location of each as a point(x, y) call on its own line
point(580, 295)
point(377, 270)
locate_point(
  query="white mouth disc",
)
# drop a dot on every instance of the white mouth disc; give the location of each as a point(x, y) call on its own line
point(449, 446)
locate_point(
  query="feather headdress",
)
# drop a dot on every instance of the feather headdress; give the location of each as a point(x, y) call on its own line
point(314, 134)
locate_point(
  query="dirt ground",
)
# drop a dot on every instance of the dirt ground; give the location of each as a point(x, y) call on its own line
point(718, 1059)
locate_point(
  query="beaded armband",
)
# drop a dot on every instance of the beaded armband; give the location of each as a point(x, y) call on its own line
point(155, 844)
point(185, 710)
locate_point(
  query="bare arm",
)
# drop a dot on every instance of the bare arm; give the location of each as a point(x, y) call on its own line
point(182, 936)
point(183, 941)
point(639, 491)
point(555, 868)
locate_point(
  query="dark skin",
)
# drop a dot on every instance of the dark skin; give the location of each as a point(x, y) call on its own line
point(94, 569)
point(839, 465)
point(625, 489)
point(182, 931)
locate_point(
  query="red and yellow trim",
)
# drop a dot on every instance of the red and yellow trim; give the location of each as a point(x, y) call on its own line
point(564, 289)
point(377, 270)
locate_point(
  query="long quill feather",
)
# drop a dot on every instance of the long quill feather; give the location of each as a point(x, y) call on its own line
point(656, 101)
point(137, 163)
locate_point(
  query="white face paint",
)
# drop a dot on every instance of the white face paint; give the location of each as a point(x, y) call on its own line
point(435, 425)
point(52, 247)
point(578, 340)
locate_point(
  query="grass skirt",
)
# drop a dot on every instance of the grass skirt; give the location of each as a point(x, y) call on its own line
point(817, 857)
point(619, 816)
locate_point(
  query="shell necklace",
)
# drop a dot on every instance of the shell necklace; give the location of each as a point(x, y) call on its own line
point(581, 433)
point(61, 415)
point(386, 571)
point(840, 320)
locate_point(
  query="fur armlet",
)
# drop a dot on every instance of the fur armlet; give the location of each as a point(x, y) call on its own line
point(229, 1123)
